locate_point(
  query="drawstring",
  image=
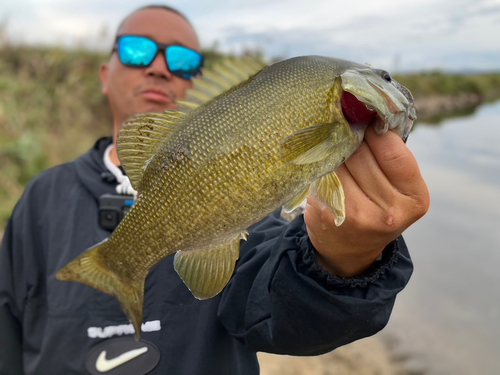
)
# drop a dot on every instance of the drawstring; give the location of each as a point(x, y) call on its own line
point(124, 186)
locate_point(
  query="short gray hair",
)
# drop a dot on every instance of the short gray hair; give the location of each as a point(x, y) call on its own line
point(154, 6)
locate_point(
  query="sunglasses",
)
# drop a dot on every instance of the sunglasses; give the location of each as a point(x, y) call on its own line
point(139, 51)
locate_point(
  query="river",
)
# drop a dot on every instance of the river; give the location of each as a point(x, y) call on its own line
point(448, 318)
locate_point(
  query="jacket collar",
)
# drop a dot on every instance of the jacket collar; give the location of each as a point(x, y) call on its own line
point(93, 173)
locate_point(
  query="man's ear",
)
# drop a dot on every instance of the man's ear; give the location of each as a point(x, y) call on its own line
point(103, 75)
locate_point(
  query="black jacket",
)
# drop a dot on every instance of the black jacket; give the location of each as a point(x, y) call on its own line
point(277, 301)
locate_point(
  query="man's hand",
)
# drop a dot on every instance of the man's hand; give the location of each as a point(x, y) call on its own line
point(385, 193)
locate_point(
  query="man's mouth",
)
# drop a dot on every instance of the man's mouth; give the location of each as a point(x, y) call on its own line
point(156, 95)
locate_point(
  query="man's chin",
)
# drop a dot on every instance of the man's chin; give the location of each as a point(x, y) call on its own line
point(156, 107)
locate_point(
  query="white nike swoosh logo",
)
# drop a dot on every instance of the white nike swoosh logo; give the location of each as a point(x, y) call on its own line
point(103, 365)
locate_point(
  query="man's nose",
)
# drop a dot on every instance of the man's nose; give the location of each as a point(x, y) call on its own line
point(158, 67)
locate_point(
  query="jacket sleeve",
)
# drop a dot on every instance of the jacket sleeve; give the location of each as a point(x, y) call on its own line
point(10, 311)
point(280, 301)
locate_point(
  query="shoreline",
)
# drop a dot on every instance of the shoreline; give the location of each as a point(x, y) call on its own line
point(436, 106)
point(370, 356)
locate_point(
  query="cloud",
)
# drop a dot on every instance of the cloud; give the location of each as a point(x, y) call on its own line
point(453, 35)
point(422, 34)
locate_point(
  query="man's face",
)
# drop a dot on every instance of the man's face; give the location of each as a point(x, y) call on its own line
point(154, 88)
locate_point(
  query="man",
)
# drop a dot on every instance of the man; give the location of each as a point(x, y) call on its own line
point(303, 288)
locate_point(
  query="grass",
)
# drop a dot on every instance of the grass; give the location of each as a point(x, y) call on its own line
point(52, 109)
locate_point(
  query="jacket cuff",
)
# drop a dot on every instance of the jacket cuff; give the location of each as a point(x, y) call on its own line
point(307, 265)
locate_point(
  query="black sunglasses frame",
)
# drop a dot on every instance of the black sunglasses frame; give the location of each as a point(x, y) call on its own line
point(161, 47)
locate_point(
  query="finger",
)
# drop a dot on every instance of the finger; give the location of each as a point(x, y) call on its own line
point(355, 197)
point(313, 216)
point(364, 168)
point(396, 161)
point(320, 220)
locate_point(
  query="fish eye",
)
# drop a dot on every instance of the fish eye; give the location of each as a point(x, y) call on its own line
point(386, 76)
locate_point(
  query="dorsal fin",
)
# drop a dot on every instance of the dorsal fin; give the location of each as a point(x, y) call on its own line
point(216, 80)
point(139, 138)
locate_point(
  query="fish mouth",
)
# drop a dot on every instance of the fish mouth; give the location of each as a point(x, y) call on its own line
point(368, 99)
point(355, 112)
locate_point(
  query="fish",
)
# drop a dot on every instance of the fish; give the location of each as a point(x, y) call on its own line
point(233, 153)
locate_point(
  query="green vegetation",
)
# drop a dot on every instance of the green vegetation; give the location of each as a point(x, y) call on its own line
point(52, 109)
point(439, 83)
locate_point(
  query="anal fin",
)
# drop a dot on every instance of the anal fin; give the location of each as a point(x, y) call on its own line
point(206, 272)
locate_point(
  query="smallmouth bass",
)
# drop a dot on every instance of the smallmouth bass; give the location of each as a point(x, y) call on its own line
point(207, 174)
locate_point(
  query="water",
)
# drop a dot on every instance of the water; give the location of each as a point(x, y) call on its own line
point(448, 318)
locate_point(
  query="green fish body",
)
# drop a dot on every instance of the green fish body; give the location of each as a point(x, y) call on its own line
point(206, 175)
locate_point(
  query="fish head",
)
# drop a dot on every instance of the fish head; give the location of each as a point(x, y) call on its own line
point(371, 96)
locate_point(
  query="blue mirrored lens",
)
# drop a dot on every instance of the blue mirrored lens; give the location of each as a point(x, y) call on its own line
point(183, 61)
point(136, 50)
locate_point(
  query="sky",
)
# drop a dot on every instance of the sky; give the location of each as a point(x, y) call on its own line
point(396, 35)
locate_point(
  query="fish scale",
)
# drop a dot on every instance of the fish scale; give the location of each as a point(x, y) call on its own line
point(224, 166)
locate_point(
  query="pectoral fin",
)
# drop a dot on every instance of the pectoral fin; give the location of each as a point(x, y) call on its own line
point(309, 145)
point(329, 190)
point(206, 272)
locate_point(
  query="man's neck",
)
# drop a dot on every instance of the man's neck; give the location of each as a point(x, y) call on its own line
point(113, 156)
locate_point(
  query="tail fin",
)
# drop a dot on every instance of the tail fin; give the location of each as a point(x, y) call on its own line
point(90, 269)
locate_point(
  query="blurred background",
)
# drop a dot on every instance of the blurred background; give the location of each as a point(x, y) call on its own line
point(447, 52)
